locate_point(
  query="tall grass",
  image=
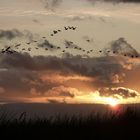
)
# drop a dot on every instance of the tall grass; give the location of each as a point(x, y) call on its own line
point(114, 125)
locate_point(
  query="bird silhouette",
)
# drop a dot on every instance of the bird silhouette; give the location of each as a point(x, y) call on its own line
point(73, 28)
point(51, 46)
point(55, 32)
point(34, 41)
point(66, 28)
point(69, 27)
point(71, 42)
point(7, 50)
point(29, 49)
point(17, 45)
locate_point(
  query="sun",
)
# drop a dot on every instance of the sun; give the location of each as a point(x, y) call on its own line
point(112, 102)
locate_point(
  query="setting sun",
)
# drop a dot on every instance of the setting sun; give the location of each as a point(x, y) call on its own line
point(111, 102)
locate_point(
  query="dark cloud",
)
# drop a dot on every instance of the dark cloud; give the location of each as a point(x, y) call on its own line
point(51, 4)
point(119, 92)
point(122, 47)
point(48, 45)
point(22, 75)
point(115, 1)
point(103, 69)
point(15, 33)
point(36, 21)
point(25, 71)
point(10, 34)
point(53, 101)
point(124, 1)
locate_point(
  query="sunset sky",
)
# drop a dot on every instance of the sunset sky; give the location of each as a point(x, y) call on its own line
point(73, 76)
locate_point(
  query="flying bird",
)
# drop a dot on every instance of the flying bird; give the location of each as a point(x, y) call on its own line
point(34, 41)
point(55, 32)
point(29, 49)
point(74, 28)
point(58, 48)
point(17, 45)
point(69, 27)
point(66, 28)
point(88, 40)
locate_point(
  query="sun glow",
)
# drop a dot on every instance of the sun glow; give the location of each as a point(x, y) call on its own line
point(111, 101)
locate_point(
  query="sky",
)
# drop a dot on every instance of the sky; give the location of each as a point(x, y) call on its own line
point(72, 77)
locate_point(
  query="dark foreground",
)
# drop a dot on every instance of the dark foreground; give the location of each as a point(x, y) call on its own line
point(114, 125)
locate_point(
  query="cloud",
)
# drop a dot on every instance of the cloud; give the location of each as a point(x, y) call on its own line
point(124, 1)
point(23, 75)
point(10, 34)
point(115, 1)
point(122, 47)
point(15, 33)
point(118, 92)
point(48, 45)
point(62, 91)
point(36, 21)
point(79, 17)
point(53, 101)
point(2, 90)
point(51, 4)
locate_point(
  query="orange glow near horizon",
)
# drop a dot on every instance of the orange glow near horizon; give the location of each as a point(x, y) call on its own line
point(81, 97)
point(112, 102)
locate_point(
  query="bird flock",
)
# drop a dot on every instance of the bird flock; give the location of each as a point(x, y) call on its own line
point(68, 45)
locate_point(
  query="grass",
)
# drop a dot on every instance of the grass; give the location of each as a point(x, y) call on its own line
point(114, 125)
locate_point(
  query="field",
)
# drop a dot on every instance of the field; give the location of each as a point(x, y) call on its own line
point(112, 125)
